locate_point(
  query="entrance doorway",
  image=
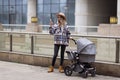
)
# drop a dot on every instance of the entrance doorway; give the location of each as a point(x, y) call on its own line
point(12, 19)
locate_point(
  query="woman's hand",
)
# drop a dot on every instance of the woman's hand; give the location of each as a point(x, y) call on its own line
point(51, 23)
point(70, 38)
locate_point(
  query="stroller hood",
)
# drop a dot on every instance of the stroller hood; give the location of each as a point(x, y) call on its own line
point(85, 46)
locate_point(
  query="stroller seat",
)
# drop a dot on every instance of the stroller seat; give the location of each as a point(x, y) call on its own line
point(72, 54)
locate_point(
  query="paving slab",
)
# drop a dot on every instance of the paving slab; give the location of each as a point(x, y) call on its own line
point(17, 71)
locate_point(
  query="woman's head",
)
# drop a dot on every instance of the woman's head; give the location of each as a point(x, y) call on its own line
point(62, 15)
point(61, 18)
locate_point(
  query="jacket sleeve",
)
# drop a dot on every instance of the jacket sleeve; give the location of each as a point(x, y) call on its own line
point(52, 29)
point(68, 33)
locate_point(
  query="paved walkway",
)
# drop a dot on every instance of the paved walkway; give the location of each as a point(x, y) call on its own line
point(16, 71)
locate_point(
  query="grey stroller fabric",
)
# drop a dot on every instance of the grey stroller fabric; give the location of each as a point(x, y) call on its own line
point(82, 58)
point(85, 46)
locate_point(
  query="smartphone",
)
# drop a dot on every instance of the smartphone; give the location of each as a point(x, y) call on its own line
point(51, 20)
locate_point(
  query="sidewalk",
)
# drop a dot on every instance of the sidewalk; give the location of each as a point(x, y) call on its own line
point(16, 71)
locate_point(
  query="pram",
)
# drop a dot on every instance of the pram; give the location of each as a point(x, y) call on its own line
point(82, 58)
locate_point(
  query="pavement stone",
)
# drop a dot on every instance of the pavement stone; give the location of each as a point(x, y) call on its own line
point(17, 71)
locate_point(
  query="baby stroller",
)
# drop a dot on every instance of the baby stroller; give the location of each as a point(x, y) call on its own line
point(82, 58)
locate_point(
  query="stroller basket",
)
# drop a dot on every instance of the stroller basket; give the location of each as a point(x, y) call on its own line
point(71, 55)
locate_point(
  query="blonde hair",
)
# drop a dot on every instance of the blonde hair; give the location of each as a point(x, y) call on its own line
point(63, 23)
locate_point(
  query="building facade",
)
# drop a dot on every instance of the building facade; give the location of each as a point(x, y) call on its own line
point(13, 11)
point(78, 12)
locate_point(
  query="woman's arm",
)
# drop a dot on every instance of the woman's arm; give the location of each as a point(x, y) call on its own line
point(68, 32)
point(52, 29)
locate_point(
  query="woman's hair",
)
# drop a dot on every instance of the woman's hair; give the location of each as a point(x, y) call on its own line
point(64, 22)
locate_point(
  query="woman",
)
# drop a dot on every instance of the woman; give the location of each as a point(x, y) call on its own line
point(61, 39)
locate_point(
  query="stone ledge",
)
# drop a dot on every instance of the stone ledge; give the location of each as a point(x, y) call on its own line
point(103, 68)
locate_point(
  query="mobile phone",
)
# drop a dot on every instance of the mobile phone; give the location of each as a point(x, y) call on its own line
point(51, 20)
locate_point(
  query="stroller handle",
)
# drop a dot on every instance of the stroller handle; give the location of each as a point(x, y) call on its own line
point(73, 40)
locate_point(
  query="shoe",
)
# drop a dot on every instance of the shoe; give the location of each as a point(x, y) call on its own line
point(61, 70)
point(51, 69)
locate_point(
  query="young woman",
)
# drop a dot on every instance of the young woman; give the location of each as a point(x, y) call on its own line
point(61, 39)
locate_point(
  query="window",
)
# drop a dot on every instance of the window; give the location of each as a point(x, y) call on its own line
point(55, 8)
point(40, 8)
point(46, 1)
point(24, 2)
point(46, 19)
point(1, 7)
point(63, 1)
point(48, 8)
point(55, 1)
point(19, 2)
point(13, 10)
point(5, 9)
point(1, 2)
point(63, 8)
point(5, 2)
point(40, 1)
point(12, 2)
point(19, 9)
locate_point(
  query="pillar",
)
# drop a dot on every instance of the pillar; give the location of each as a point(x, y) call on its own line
point(118, 11)
point(31, 12)
point(2, 38)
point(80, 15)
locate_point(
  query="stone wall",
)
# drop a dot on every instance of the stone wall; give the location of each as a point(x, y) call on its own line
point(102, 68)
point(33, 27)
point(107, 47)
point(2, 38)
point(109, 29)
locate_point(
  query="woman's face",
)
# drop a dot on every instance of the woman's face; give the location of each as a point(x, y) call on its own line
point(60, 19)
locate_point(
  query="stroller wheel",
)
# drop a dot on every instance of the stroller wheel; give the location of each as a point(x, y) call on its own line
point(68, 71)
point(93, 73)
point(85, 74)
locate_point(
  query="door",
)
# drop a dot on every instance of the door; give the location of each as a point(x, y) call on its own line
point(12, 20)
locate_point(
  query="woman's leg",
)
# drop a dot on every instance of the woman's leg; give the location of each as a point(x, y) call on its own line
point(56, 49)
point(63, 47)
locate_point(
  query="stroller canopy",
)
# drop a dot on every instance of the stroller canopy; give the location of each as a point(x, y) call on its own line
point(85, 46)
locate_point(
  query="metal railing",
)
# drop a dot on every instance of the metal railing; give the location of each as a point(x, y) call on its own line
point(42, 44)
point(45, 28)
point(14, 27)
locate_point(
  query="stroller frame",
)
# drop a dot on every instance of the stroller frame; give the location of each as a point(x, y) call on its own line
point(83, 68)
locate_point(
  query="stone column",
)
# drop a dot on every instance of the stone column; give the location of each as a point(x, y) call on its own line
point(31, 10)
point(32, 27)
point(2, 38)
point(118, 11)
point(80, 15)
point(91, 13)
